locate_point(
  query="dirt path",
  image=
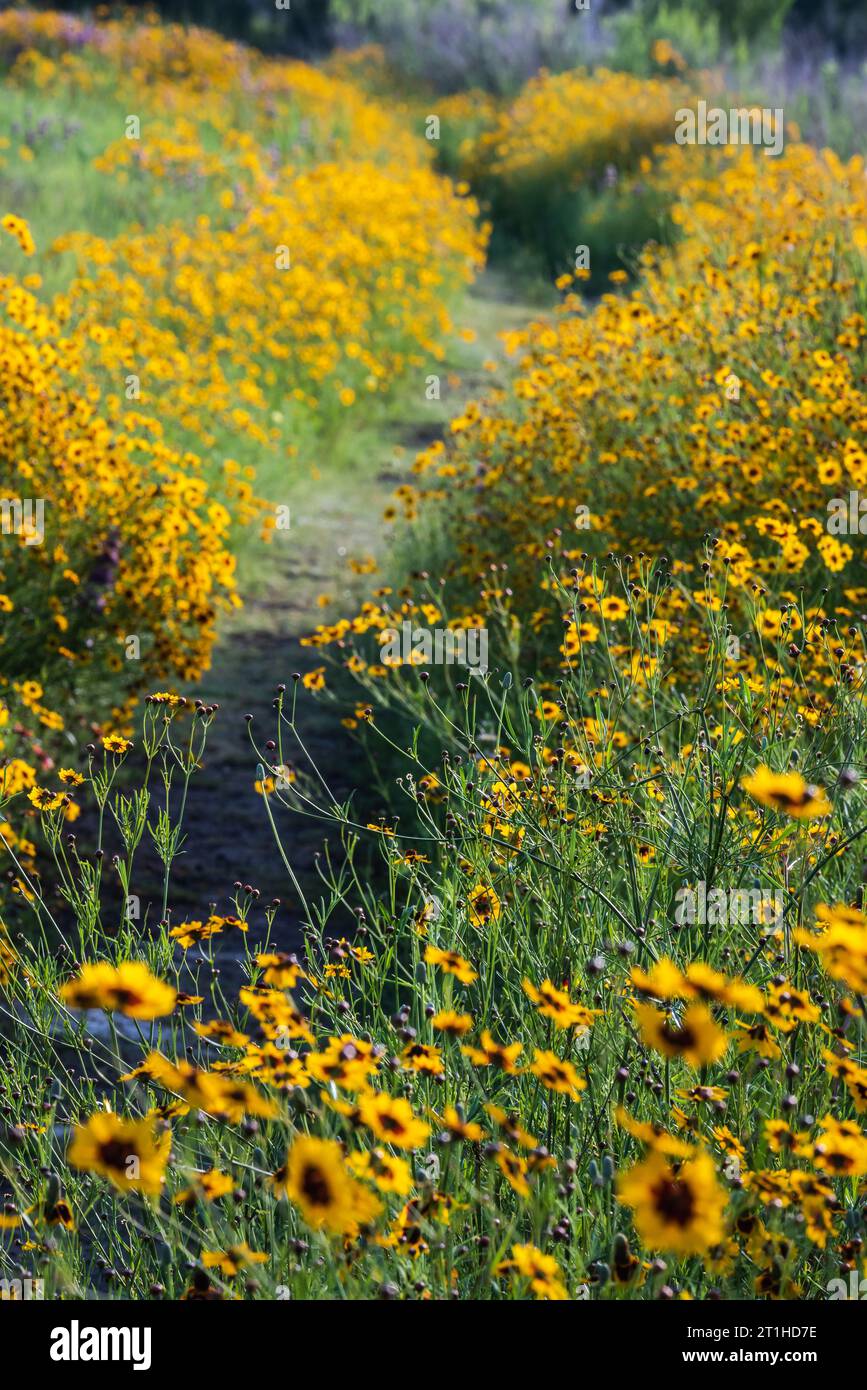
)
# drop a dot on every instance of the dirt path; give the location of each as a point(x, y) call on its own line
point(337, 517)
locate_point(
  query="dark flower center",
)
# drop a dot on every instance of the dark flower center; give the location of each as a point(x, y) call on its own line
point(678, 1037)
point(127, 996)
point(115, 1152)
point(391, 1125)
point(674, 1201)
point(315, 1187)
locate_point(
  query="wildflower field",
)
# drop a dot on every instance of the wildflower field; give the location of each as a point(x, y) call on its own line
point(561, 991)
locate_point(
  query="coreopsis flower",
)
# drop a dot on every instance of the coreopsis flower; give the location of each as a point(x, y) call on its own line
point(663, 981)
point(841, 1148)
point(19, 229)
point(421, 1057)
point(454, 1024)
point(654, 1136)
point(406, 1232)
point(697, 1038)
point(456, 1128)
point(348, 1062)
point(490, 1053)
point(508, 1122)
point(542, 1271)
point(701, 981)
point(115, 744)
point(840, 915)
point(780, 1137)
point(232, 1099)
point(698, 981)
point(626, 1268)
point(841, 946)
point(232, 1260)
point(676, 1207)
point(557, 1075)
point(483, 904)
point(514, 1169)
point(756, 1037)
point(58, 1213)
point(220, 1031)
point(207, 1187)
point(703, 1095)
point(277, 1067)
point(45, 800)
point(729, 1142)
point(221, 1096)
point(555, 1003)
point(853, 1077)
point(391, 1119)
point(386, 1171)
point(451, 963)
point(359, 953)
point(129, 988)
point(190, 933)
point(316, 1179)
point(786, 1006)
point(314, 1176)
point(9, 959)
point(129, 1153)
point(773, 1282)
point(275, 1012)
point(281, 969)
point(787, 792)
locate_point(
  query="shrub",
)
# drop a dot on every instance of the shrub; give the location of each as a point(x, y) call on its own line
point(118, 540)
point(550, 166)
point(283, 296)
point(722, 398)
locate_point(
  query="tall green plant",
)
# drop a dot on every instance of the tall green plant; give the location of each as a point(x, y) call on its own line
point(741, 22)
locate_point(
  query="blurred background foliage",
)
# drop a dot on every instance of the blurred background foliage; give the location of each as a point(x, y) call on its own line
point(808, 56)
point(469, 61)
point(499, 43)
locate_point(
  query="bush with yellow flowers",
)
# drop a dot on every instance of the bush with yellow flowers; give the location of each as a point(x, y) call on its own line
point(306, 302)
point(110, 536)
point(722, 399)
point(297, 253)
point(568, 126)
point(554, 166)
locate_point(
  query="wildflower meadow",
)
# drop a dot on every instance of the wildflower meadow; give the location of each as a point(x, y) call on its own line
point(433, 604)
